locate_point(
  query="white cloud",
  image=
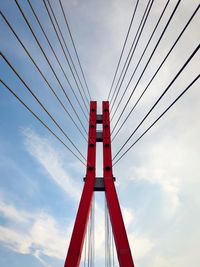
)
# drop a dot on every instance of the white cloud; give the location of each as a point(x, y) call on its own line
point(170, 184)
point(15, 240)
point(52, 239)
point(140, 246)
point(128, 216)
point(37, 255)
point(10, 212)
point(168, 162)
point(36, 233)
point(42, 150)
point(49, 158)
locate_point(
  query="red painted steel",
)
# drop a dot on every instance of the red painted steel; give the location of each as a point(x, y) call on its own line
point(119, 231)
point(78, 234)
point(121, 241)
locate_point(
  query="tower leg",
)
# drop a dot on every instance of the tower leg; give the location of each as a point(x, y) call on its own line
point(119, 231)
point(76, 244)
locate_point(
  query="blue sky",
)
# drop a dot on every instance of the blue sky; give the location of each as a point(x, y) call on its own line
point(157, 182)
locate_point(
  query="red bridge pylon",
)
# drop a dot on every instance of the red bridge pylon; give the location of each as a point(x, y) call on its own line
point(99, 184)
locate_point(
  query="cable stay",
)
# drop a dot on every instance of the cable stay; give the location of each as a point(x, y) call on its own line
point(132, 50)
point(65, 55)
point(72, 62)
point(127, 57)
point(158, 100)
point(187, 88)
point(43, 107)
point(154, 30)
point(60, 84)
point(166, 26)
point(56, 57)
point(113, 251)
point(109, 240)
point(165, 58)
point(124, 45)
point(58, 138)
point(43, 76)
point(76, 52)
point(85, 249)
point(89, 244)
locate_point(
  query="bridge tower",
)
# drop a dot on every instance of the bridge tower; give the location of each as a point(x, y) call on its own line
point(105, 184)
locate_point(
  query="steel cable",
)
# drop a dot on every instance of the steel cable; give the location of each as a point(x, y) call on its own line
point(57, 59)
point(167, 55)
point(41, 73)
point(56, 21)
point(113, 252)
point(43, 107)
point(61, 86)
point(124, 45)
point(13, 93)
point(76, 52)
point(161, 96)
point(85, 250)
point(65, 44)
point(125, 106)
point(187, 88)
point(133, 48)
point(125, 63)
point(141, 57)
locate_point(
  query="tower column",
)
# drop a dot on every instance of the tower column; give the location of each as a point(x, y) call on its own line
point(119, 231)
point(92, 183)
point(76, 244)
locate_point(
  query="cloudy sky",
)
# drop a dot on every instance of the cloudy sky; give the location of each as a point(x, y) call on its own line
point(158, 181)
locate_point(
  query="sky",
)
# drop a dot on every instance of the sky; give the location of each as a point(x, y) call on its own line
point(157, 182)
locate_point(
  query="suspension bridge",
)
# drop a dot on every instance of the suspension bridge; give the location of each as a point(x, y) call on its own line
point(67, 84)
